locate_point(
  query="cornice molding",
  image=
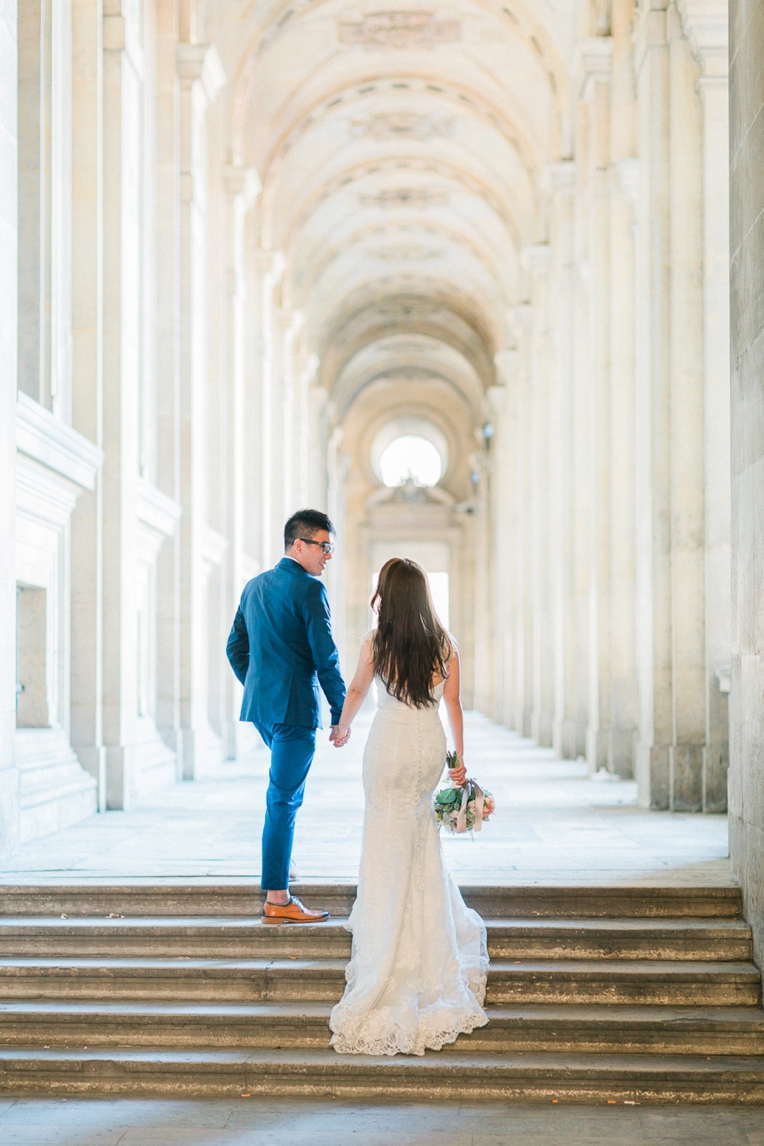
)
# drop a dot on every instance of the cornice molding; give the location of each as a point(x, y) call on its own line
point(48, 440)
point(271, 263)
point(594, 61)
point(156, 508)
point(200, 62)
point(243, 181)
point(705, 24)
point(536, 258)
point(561, 177)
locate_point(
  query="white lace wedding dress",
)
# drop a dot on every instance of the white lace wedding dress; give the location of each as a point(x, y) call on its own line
point(417, 976)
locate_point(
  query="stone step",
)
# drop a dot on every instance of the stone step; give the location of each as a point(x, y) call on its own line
point(289, 1025)
point(637, 982)
point(642, 1078)
point(716, 940)
point(216, 898)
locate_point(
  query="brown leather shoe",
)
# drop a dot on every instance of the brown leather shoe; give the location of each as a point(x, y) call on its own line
point(294, 911)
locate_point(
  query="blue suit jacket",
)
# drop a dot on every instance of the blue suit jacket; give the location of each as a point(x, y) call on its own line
point(281, 646)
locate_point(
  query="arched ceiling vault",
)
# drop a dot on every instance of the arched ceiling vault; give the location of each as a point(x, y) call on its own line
point(401, 152)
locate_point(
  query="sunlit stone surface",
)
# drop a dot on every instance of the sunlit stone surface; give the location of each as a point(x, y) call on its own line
point(553, 825)
point(246, 246)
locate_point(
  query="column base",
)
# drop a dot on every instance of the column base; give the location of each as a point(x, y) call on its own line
point(686, 777)
point(55, 791)
point(652, 775)
point(599, 749)
point(202, 752)
point(134, 771)
point(9, 810)
point(543, 729)
point(716, 760)
point(622, 751)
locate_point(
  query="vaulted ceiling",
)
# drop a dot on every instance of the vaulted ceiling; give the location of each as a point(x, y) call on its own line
point(401, 153)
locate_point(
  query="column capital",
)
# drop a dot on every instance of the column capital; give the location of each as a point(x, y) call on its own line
point(242, 181)
point(200, 62)
point(536, 258)
point(507, 363)
point(521, 316)
point(561, 177)
point(705, 24)
point(310, 373)
point(271, 263)
point(594, 61)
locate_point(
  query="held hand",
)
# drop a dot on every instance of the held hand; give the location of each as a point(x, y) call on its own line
point(458, 775)
point(339, 736)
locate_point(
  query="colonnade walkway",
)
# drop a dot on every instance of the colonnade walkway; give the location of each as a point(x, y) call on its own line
point(133, 960)
point(553, 825)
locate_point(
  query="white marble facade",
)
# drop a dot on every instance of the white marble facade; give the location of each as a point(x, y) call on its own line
point(253, 242)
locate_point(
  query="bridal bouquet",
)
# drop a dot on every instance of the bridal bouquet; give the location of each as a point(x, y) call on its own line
point(462, 809)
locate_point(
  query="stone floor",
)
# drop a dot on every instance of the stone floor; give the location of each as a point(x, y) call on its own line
point(302, 1122)
point(553, 825)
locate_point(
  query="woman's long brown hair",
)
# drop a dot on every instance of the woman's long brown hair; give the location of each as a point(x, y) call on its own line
point(410, 646)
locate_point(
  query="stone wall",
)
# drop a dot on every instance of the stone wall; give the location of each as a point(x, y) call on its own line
point(747, 356)
point(256, 261)
point(8, 310)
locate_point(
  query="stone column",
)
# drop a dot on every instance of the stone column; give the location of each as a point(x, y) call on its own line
point(671, 399)
point(596, 68)
point(242, 188)
point(652, 414)
point(501, 460)
point(561, 179)
point(581, 447)
point(343, 619)
point(483, 554)
point(705, 25)
point(9, 301)
point(318, 431)
point(292, 412)
point(686, 429)
point(747, 359)
point(624, 191)
point(45, 218)
point(168, 396)
point(87, 391)
point(271, 268)
point(201, 77)
point(537, 261)
point(121, 374)
point(519, 406)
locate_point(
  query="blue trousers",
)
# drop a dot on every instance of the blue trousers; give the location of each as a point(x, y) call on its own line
point(292, 750)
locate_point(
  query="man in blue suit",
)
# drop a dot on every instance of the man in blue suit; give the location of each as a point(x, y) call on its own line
point(281, 647)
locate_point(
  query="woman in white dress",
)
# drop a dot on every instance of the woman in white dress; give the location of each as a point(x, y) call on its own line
point(417, 976)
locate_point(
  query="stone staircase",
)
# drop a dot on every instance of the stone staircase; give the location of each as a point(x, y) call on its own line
point(633, 994)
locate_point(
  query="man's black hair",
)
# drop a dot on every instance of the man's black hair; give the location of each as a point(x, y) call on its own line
point(305, 523)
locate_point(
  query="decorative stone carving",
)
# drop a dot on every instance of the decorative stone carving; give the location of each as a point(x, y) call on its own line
point(405, 197)
point(400, 29)
point(407, 126)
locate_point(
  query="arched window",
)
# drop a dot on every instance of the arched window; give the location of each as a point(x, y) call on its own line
point(410, 456)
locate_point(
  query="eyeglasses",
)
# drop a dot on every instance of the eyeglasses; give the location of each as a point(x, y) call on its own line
point(325, 545)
